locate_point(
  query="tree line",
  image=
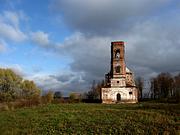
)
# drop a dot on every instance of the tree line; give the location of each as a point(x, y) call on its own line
point(165, 85)
point(162, 86)
point(13, 87)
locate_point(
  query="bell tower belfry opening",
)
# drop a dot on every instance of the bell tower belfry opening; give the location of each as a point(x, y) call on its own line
point(119, 81)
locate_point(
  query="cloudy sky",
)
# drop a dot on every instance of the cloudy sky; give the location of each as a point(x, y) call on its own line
point(65, 44)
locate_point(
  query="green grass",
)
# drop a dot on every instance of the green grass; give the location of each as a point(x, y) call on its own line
point(142, 118)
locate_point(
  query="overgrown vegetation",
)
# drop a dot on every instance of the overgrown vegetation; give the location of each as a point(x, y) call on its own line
point(13, 87)
point(143, 118)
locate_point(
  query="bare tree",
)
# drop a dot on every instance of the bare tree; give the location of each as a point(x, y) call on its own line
point(95, 91)
point(162, 86)
point(177, 87)
point(140, 85)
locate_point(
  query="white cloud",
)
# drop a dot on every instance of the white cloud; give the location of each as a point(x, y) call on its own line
point(12, 17)
point(65, 83)
point(9, 32)
point(18, 70)
point(9, 22)
point(40, 38)
point(2, 45)
point(15, 67)
point(46, 82)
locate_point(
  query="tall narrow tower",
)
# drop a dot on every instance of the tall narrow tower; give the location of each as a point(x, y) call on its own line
point(120, 86)
point(118, 66)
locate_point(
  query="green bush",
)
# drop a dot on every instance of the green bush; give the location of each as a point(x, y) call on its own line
point(47, 98)
point(13, 87)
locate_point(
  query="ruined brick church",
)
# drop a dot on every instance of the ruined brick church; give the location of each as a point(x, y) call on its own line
point(119, 82)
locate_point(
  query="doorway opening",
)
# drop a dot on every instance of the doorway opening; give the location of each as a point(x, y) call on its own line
point(118, 97)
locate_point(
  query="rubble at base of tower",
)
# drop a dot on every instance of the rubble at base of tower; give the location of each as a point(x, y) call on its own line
point(119, 82)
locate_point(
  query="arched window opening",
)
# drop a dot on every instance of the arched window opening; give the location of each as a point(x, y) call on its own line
point(117, 54)
point(118, 69)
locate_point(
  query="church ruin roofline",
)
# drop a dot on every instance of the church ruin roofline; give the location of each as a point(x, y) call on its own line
point(114, 43)
point(117, 42)
point(128, 70)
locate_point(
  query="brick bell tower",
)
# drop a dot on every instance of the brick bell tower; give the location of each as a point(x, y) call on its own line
point(119, 82)
point(118, 66)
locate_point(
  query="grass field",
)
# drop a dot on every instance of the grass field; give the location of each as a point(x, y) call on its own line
point(142, 118)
